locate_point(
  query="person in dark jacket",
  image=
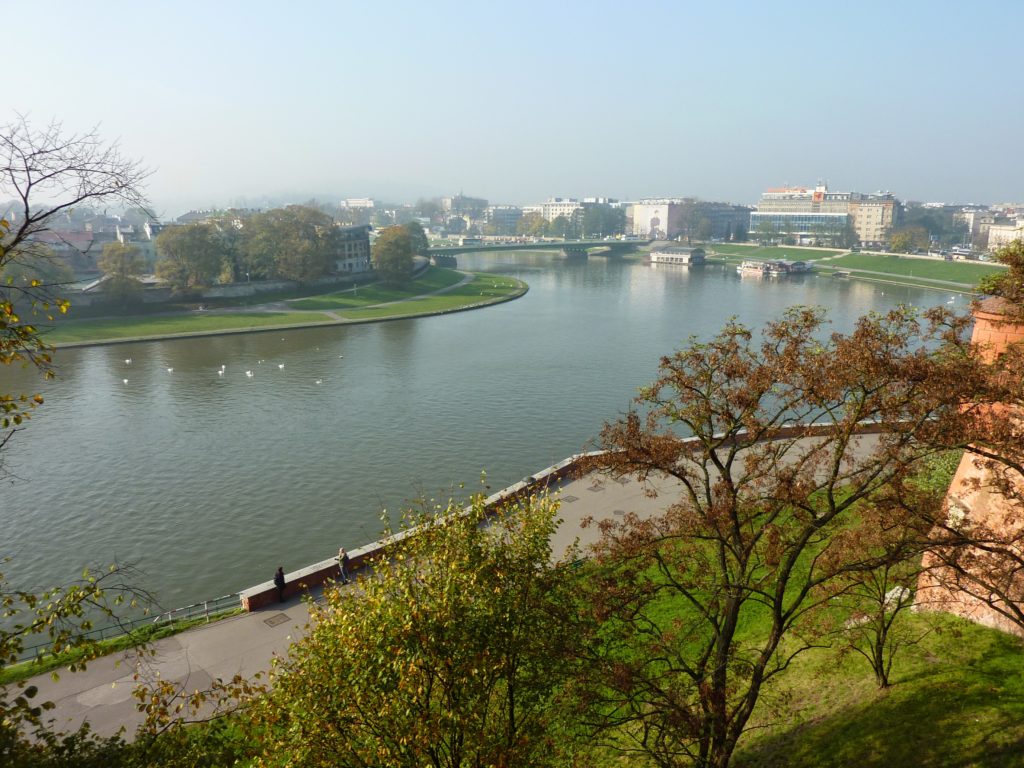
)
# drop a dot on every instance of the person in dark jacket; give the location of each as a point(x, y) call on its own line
point(343, 565)
point(279, 583)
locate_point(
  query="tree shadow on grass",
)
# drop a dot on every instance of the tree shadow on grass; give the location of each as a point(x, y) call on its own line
point(972, 721)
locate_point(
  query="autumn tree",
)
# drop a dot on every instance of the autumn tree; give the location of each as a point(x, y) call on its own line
point(191, 256)
point(392, 255)
point(449, 654)
point(122, 264)
point(767, 446)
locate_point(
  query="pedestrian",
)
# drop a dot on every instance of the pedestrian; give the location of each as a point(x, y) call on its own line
point(343, 564)
point(279, 583)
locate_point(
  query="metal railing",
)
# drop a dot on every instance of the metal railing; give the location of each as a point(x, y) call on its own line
point(206, 609)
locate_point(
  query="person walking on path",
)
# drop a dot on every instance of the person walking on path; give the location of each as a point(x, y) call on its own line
point(343, 564)
point(279, 583)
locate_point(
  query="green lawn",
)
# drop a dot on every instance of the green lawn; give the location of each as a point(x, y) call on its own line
point(66, 331)
point(957, 700)
point(770, 252)
point(372, 302)
point(484, 288)
point(933, 269)
point(434, 279)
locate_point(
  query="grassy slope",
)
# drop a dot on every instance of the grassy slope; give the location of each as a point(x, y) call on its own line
point(771, 252)
point(344, 304)
point(166, 325)
point(957, 699)
point(935, 269)
point(435, 278)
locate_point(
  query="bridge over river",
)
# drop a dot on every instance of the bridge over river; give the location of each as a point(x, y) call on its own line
point(568, 248)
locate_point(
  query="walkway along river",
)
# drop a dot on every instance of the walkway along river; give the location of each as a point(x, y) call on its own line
point(208, 482)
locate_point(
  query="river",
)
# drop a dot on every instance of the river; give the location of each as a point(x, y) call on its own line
point(208, 481)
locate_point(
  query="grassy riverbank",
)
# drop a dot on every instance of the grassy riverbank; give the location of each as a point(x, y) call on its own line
point(738, 252)
point(938, 274)
point(437, 290)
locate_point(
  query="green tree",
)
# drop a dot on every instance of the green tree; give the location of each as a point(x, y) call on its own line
point(448, 655)
point(532, 225)
point(418, 237)
point(191, 256)
point(392, 255)
point(560, 226)
point(739, 232)
point(769, 515)
point(295, 240)
point(122, 264)
point(765, 232)
point(704, 229)
point(908, 239)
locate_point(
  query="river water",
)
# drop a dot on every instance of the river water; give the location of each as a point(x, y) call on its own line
point(208, 482)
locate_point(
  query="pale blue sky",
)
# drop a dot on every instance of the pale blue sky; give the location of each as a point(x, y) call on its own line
point(518, 101)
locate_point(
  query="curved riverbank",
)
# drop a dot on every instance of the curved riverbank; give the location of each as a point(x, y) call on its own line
point(389, 311)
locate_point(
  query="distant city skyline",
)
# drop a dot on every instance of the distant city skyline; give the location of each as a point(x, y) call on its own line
point(517, 103)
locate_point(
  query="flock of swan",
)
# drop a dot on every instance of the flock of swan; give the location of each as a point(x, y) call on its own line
point(223, 369)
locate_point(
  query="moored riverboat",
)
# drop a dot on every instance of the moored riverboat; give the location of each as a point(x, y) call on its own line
point(678, 255)
point(752, 267)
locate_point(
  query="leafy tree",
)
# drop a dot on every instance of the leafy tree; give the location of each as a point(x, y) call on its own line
point(703, 230)
point(418, 237)
point(602, 220)
point(1008, 285)
point(42, 268)
point(448, 655)
point(122, 264)
point(430, 209)
point(191, 256)
point(768, 514)
point(293, 243)
point(392, 255)
point(908, 239)
point(560, 226)
point(765, 231)
point(532, 224)
point(739, 233)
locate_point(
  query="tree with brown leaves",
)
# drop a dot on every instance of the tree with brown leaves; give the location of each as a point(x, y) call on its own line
point(779, 450)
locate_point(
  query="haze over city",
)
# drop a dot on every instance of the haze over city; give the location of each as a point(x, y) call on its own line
point(242, 102)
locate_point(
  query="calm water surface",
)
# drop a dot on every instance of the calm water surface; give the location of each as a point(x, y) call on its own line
point(209, 482)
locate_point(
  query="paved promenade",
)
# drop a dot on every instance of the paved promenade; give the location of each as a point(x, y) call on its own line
point(245, 644)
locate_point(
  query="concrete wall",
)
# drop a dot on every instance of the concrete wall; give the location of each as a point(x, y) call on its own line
point(299, 582)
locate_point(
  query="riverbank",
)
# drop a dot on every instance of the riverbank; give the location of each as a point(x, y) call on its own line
point(439, 291)
point(889, 269)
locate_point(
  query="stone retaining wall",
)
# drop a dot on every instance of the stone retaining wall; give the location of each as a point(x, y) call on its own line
point(301, 581)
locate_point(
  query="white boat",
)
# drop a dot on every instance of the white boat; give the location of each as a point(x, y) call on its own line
point(753, 267)
point(678, 255)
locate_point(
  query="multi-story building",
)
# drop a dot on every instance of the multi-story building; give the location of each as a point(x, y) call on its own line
point(655, 219)
point(977, 221)
point(460, 204)
point(554, 207)
point(503, 218)
point(1005, 233)
point(874, 216)
point(812, 215)
point(669, 218)
point(353, 254)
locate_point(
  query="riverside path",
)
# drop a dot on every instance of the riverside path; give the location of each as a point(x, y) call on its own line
point(245, 644)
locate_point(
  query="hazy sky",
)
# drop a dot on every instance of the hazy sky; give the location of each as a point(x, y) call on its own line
point(518, 101)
